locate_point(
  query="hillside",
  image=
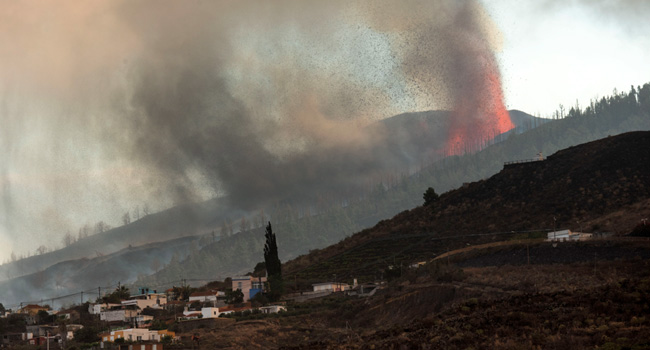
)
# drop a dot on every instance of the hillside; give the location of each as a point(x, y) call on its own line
point(583, 304)
point(87, 274)
point(302, 229)
point(180, 221)
point(577, 186)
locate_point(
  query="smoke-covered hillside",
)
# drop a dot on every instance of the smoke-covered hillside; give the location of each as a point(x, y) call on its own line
point(301, 228)
point(299, 233)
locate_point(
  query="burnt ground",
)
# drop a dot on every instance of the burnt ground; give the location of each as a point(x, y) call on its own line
point(563, 300)
point(557, 253)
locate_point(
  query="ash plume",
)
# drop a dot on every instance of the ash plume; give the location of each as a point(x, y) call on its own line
point(300, 134)
point(259, 101)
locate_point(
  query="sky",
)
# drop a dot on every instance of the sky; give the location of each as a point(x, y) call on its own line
point(90, 92)
point(557, 52)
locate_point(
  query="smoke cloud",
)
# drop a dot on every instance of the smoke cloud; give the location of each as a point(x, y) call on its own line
point(109, 104)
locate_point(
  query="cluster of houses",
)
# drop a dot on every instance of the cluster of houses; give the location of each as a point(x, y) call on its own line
point(129, 319)
point(40, 334)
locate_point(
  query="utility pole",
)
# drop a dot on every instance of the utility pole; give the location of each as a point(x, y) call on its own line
point(82, 298)
point(528, 253)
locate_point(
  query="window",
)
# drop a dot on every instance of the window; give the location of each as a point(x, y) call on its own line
point(239, 285)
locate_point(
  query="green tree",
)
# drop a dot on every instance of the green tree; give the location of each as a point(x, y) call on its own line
point(273, 265)
point(87, 334)
point(43, 317)
point(119, 294)
point(430, 196)
point(182, 292)
point(234, 296)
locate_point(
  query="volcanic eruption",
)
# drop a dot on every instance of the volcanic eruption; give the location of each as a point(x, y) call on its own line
point(479, 113)
point(257, 101)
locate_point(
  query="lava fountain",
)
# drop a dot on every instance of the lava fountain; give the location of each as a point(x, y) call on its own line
point(479, 113)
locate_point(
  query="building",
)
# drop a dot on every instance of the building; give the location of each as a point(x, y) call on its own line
point(69, 314)
point(272, 309)
point(210, 312)
point(136, 335)
point(248, 285)
point(204, 297)
point(330, 286)
point(566, 236)
point(42, 330)
point(118, 315)
point(96, 309)
point(31, 309)
point(141, 346)
point(150, 299)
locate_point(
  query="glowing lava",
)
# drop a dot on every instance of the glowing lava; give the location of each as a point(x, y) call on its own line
point(479, 117)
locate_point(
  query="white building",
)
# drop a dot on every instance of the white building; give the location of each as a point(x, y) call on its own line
point(330, 286)
point(272, 309)
point(566, 236)
point(210, 312)
point(152, 300)
point(96, 309)
point(210, 296)
point(119, 315)
point(136, 334)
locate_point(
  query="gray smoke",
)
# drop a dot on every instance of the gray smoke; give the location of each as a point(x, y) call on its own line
point(298, 133)
point(118, 103)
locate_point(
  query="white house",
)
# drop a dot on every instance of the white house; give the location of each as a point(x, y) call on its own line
point(562, 235)
point(210, 312)
point(152, 300)
point(272, 309)
point(135, 334)
point(209, 296)
point(567, 235)
point(330, 286)
point(95, 309)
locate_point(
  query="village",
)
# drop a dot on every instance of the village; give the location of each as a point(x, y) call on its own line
point(154, 319)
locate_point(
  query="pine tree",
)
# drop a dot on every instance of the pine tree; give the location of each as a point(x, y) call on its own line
point(430, 196)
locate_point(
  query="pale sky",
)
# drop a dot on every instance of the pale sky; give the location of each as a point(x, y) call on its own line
point(555, 52)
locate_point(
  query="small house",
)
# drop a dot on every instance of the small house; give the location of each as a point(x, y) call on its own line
point(272, 309)
point(248, 285)
point(204, 297)
point(330, 286)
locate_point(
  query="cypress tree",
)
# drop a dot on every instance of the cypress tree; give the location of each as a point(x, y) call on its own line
point(273, 265)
